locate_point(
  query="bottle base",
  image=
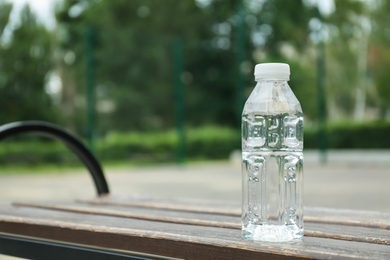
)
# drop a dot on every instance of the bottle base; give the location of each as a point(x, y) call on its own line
point(272, 233)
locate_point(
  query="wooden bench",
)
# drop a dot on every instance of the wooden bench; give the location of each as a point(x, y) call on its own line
point(109, 227)
point(179, 228)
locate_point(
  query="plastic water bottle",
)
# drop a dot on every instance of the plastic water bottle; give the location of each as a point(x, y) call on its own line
point(272, 158)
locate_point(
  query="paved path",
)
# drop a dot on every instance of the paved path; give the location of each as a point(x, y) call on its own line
point(352, 180)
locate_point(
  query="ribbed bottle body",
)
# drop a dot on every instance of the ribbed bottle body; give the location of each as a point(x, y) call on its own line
point(272, 164)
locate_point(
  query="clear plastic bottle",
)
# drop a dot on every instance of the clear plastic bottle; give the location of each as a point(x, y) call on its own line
point(272, 158)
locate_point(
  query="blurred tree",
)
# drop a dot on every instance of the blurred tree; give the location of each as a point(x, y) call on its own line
point(134, 59)
point(24, 64)
point(280, 33)
point(379, 54)
point(346, 45)
point(285, 23)
point(5, 12)
point(134, 42)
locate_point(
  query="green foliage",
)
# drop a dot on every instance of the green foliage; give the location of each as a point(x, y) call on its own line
point(303, 84)
point(133, 56)
point(138, 146)
point(5, 12)
point(379, 55)
point(133, 47)
point(208, 142)
point(343, 50)
point(205, 143)
point(289, 22)
point(35, 152)
point(212, 142)
point(349, 135)
point(25, 62)
point(134, 61)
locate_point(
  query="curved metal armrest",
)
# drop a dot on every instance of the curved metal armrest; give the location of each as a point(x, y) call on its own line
point(71, 141)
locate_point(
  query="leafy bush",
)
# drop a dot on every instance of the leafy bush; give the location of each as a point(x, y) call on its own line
point(212, 142)
point(35, 152)
point(138, 146)
point(209, 142)
point(348, 135)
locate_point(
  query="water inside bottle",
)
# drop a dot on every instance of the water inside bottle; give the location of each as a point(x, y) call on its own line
point(272, 164)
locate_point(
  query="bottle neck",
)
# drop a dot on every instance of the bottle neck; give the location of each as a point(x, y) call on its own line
point(271, 80)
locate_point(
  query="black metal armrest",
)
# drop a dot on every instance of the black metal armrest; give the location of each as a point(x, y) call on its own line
point(71, 141)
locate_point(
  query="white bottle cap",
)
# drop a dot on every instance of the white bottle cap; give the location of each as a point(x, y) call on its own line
point(278, 71)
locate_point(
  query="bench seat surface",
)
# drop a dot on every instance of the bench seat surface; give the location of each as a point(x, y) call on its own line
point(191, 229)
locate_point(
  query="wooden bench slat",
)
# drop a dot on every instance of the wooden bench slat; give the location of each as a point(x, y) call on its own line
point(315, 215)
point(175, 240)
point(340, 232)
point(184, 205)
point(348, 233)
point(161, 217)
point(348, 217)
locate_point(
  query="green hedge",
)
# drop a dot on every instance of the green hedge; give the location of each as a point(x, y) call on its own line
point(209, 142)
point(349, 135)
point(34, 152)
point(202, 143)
point(138, 146)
